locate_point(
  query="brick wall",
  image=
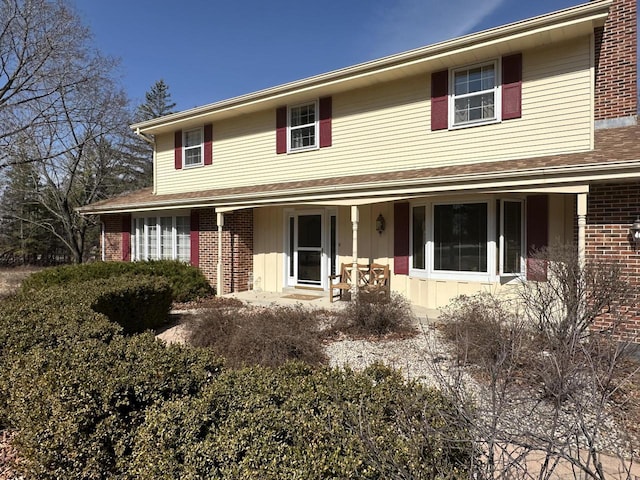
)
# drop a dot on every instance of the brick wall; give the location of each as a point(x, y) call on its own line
point(113, 237)
point(616, 72)
point(611, 210)
point(237, 248)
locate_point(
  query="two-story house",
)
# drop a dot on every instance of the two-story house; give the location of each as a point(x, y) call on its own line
point(451, 163)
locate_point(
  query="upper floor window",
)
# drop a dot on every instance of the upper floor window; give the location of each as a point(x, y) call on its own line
point(303, 127)
point(480, 94)
point(193, 145)
point(474, 94)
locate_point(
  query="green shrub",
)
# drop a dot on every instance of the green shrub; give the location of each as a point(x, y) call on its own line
point(372, 313)
point(258, 336)
point(136, 303)
point(76, 408)
point(62, 316)
point(187, 282)
point(298, 422)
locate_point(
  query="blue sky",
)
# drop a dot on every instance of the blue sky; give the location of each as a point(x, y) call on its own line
point(210, 50)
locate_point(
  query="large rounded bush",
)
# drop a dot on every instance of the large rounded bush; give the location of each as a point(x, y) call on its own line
point(187, 282)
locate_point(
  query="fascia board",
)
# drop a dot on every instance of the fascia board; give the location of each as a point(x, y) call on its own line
point(590, 14)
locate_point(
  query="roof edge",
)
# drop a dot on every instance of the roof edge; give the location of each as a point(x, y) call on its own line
point(586, 11)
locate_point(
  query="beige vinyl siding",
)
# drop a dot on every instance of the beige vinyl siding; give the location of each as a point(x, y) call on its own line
point(386, 127)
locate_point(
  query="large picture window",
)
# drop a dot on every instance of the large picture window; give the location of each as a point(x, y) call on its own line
point(162, 238)
point(460, 237)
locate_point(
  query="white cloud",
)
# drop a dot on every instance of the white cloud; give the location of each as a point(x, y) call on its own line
point(408, 24)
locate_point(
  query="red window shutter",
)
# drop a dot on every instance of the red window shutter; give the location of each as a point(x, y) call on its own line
point(325, 122)
point(126, 238)
point(440, 100)
point(194, 238)
point(177, 150)
point(537, 235)
point(281, 130)
point(512, 86)
point(401, 238)
point(208, 144)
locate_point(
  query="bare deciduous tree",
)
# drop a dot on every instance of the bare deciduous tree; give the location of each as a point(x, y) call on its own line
point(44, 54)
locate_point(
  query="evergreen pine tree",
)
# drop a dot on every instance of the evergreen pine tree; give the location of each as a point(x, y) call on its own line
point(157, 102)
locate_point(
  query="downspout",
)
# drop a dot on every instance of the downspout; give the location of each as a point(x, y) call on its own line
point(103, 241)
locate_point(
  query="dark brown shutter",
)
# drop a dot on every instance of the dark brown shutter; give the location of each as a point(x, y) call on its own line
point(194, 237)
point(281, 130)
point(401, 238)
point(440, 100)
point(126, 238)
point(208, 144)
point(537, 235)
point(512, 86)
point(177, 150)
point(325, 122)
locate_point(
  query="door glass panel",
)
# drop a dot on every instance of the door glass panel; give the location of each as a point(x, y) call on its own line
point(310, 231)
point(309, 266)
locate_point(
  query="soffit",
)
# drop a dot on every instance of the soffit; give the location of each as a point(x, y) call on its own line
point(519, 36)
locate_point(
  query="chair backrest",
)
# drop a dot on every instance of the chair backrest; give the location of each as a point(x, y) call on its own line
point(379, 275)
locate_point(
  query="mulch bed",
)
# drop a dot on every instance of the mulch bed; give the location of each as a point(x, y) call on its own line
point(8, 456)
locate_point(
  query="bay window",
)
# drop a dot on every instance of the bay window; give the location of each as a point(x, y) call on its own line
point(468, 239)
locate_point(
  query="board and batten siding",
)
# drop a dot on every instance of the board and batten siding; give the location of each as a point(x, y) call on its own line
point(386, 127)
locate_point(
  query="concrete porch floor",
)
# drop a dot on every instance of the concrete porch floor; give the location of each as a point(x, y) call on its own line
point(314, 299)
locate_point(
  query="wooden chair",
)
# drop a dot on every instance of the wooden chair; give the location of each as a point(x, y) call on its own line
point(347, 279)
point(379, 279)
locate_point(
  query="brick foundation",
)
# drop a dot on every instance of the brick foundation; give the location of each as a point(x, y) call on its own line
point(237, 248)
point(611, 210)
point(615, 51)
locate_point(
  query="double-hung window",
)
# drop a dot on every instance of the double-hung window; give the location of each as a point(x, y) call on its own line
point(303, 127)
point(162, 238)
point(193, 147)
point(475, 96)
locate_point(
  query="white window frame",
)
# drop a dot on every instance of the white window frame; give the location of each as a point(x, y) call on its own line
point(494, 271)
point(315, 125)
point(199, 147)
point(140, 243)
point(496, 90)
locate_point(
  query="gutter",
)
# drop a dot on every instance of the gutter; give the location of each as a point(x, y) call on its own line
point(593, 12)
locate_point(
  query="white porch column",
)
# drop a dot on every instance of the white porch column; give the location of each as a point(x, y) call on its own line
point(219, 279)
point(355, 218)
point(582, 224)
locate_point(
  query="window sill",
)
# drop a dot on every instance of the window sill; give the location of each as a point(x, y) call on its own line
point(474, 124)
point(188, 167)
point(303, 149)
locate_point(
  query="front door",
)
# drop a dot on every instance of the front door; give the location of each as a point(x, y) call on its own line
point(309, 251)
point(311, 247)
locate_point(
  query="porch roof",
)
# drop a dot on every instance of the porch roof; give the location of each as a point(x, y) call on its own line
point(616, 156)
